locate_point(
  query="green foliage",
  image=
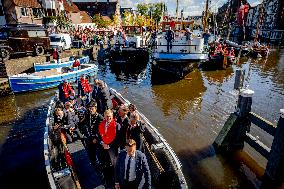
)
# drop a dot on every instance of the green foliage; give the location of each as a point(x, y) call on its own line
point(154, 10)
point(62, 22)
point(157, 11)
point(100, 22)
point(142, 8)
point(49, 19)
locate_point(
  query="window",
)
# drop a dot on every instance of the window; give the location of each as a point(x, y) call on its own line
point(32, 33)
point(36, 33)
point(37, 13)
point(41, 33)
point(24, 11)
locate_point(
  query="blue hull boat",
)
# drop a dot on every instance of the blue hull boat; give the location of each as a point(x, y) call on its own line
point(48, 78)
point(68, 63)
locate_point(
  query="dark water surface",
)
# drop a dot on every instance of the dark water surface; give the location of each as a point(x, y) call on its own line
point(189, 113)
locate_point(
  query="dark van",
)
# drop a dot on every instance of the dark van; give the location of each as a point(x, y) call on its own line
point(15, 39)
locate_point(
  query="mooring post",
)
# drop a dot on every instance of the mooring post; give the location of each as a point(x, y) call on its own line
point(274, 172)
point(233, 133)
point(244, 102)
point(239, 79)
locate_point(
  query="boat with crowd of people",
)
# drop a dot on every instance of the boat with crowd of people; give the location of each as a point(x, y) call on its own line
point(49, 78)
point(65, 62)
point(175, 53)
point(77, 170)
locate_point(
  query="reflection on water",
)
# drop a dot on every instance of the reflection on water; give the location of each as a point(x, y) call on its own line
point(189, 113)
point(21, 140)
point(179, 98)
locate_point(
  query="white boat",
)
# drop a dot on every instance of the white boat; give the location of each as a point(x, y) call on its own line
point(183, 52)
point(65, 62)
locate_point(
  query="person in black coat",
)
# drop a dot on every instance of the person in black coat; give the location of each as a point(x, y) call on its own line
point(124, 122)
point(70, 121)
point(58, 158)
point(131, 167)
point(135, 130)
point(96, 89)
point(91, 125)
point(103, 98)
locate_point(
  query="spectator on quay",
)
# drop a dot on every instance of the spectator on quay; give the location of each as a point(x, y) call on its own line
point(56, 55)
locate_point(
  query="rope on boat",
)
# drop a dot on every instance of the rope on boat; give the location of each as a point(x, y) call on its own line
point(156, 161)
point(71, 166)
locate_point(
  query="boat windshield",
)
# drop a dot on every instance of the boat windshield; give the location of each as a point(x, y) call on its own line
point(54, 39)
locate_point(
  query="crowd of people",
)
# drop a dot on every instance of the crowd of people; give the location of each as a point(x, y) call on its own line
point(111, 132)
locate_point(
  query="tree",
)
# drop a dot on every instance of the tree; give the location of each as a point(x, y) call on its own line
point(62, 22)
point(116, 21)
point(100, 22)
point(158, 11)
point(142, 8)
point(128, 18)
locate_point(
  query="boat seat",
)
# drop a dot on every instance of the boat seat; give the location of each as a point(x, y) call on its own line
point(88, 176)
point(47, 72)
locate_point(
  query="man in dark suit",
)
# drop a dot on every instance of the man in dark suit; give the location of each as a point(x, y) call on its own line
point(132, 170)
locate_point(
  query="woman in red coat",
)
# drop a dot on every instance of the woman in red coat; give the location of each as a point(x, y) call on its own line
point(108, 132)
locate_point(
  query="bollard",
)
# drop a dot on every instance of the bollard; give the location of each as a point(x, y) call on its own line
point(233, 134)
point(274, 172)
point(244, 102)
point(239, 79)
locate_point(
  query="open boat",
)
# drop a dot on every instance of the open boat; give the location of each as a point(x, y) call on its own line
point(48, 78)
point(65, 62)
point(79, 172)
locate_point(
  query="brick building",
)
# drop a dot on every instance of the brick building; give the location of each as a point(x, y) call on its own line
point(23, 11)
point(272, 25)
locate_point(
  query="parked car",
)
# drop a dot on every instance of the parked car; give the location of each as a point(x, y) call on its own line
point(61, 41)
point(78, 44)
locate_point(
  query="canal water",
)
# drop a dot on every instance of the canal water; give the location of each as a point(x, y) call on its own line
point(189, 113)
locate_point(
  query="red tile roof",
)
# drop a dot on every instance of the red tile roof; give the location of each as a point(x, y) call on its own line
point(85, 18)
point(106, 18)
point(27, 3)
point(68, 8)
